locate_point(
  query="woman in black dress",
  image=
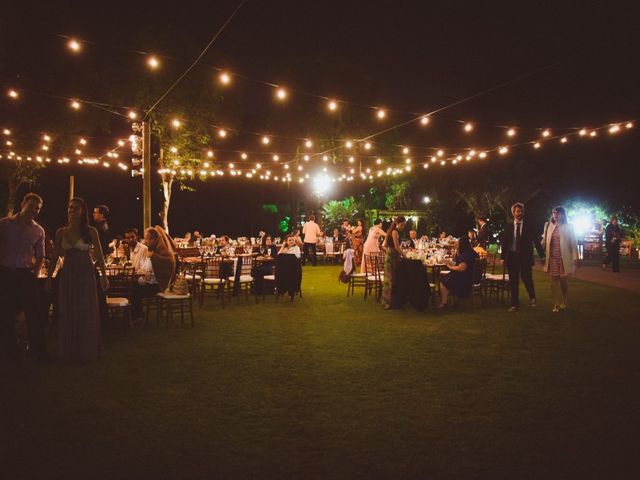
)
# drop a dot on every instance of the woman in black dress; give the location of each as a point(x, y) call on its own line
point(460, 280)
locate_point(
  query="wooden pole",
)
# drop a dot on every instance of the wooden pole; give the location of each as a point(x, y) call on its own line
point(71, 186)
point(146, 175)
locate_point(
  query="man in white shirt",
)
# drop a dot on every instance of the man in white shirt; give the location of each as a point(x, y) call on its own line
point(135, 251)
point(311, 231)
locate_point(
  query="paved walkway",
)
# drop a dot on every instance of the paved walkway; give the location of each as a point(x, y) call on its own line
point(628, 279)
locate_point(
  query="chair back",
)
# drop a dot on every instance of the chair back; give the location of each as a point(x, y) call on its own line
point(121, 283)
point(188, 252)
point(212, 268)
point(245, 264)
point(328, 248)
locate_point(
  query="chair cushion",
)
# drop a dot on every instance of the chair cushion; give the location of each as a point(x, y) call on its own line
point(445, 272)
point(117, 302)
point(270, 277)
point(243, 279)
point(173, 296)
point(192, 277)
point(213, 281)
point(359, 275)
point(372, 278)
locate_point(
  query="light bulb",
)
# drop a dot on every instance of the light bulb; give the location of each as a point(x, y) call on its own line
point(12, 93)
point(468, 127)
point(332, 105)
point(266, 140)
point(75, 104)
point(308, 144)
point(74, 45)
point(424, 120)
point(381, 113)
point(244, 156)
point(210, 153)
point(546, 133)
point(133, 115)
point(153, 62)
point(222, 133)
point(348, 144)
point(281, 94)
point(405, 150)
point(175, 123)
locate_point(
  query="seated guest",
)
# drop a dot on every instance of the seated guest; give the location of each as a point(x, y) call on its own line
point(336, 236)
point(162, 255)
point(270, 248)
point(225, 246)
point(135, 252)
point(296, 236)
point(187, 238)
point(413, 239)
point(290, 247)
point(460, 279)
point(472, 238)
point(197, 238)
point(147, 286)
point(443, 236)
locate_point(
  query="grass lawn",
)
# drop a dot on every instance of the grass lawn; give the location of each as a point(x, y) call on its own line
point(336, 387)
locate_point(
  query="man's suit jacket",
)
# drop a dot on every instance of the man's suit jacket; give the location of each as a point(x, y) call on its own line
point(529, 238)
point(483, 236)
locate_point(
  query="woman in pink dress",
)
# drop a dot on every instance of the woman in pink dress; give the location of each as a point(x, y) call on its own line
point(562, 256)
point(372, 244)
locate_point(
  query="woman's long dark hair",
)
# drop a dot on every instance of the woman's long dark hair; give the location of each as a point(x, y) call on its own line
point(464, 245)
point(84, 219)
point(392, 227)
point(561, 211)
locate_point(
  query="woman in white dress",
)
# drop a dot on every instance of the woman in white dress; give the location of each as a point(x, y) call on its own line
point(372, 244)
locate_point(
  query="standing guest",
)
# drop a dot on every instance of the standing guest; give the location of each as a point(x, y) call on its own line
point(562, 256)
point(413, 239)
point(372, 244)
point(290, 246)
point(459, 281)
point(518, 241)
point(357, 243)
point(345, 229)
point(612, 238)
point(391, 262)
point(78, 310)
point(100, 215)
point(162, 255)
point(311, 232)
point(482, 238)
point(22, 252)
point(135, 252)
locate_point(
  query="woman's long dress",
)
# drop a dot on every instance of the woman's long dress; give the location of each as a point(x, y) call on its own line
point(371, 245)
point(78, 311)
point(357, 244)
point(389, 287)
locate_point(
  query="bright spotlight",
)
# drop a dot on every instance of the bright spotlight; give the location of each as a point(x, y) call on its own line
point(321, 184)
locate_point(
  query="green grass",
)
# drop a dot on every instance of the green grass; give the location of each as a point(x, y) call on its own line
point(330, 386)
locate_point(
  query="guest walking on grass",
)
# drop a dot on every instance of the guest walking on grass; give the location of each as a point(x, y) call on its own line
point(562, 257)
point(391, 262)
point(612, 239)
point(519, 238)
point(78, 311)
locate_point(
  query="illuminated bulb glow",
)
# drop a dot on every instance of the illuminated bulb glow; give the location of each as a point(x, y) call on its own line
point(405, 150)
point(46, 138)
point(276, 158)
point(133, 115)
point(546, 133)
point(210, 154)
point(563, 140)
point(536, 145)
point(308, 144)
point(352, 159)
point(348, 144)
point(381, 113)
point(12, 94)
point(266, 140)
point(468, 127)
point(503, 150)
point(153, 62)
point(75, 104)
point(222, 133)
point(424, 120)
point(629, 125)
point(82, 141)
point(224, 78)
point(74, 45)
point(614, 129)
point(440, 153)
point(582, 132)
point(367, 146)
point(593, 133)
point(244, 156)
point(332, 105)
point(6, 131)
point(173, 150)
point(281, 94)
point(121, 143)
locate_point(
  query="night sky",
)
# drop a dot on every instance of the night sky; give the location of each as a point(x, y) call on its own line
point(406, 56)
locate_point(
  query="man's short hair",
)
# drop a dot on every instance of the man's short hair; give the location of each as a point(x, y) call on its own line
point(133, 230)
point(103, 209)
point(32, 196)
point(312, 218)
point(516, 205)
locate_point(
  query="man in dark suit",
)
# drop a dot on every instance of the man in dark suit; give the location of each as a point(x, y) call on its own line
point(482, 238)
point(518, 240)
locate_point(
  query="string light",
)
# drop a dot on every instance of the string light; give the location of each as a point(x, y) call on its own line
point(308, 144)
point(276, 158)
point(614, 129)
point(348, 144)
point(281, 94)
point(6, 131)
point(424, 120)
point(266, 140)
point(74, 45)
point(153, 62)
point(78, 151)
point(244, 156)
point(46, 138)
point(440, 153)
point(121, 143)
point(546, 133)
point(582, 132)
point(593, 133)
point(629, 125)
point(176, 123)
point(222, 133)
point(381, 113)
point(367, 146)
point(511, 132)
point(75, 104)
point(503, 150)
point(332, 105)
point(405, 150)
point(12, 94)
point(537, 145)
point(468, 127)
point(82, 141)
point(9, 143)
point(563, 140)
point(210, 153)
point(132, 115)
